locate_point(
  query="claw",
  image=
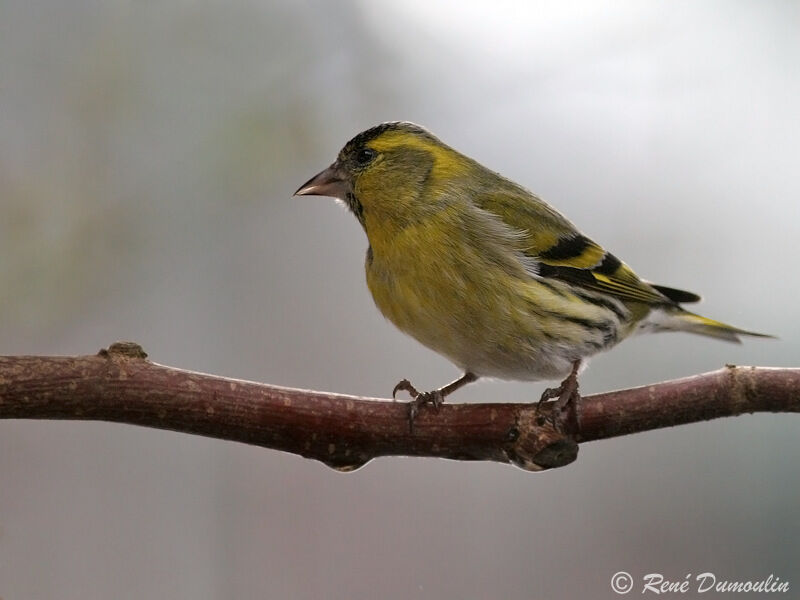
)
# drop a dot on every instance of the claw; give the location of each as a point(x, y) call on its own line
point(404, 385)
point(418, 400)
point(549, 394)
point(413, 411)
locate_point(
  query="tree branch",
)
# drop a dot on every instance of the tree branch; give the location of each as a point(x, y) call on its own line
point(345, 432)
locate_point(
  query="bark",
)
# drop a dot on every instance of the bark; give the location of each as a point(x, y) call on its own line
point(345, 432)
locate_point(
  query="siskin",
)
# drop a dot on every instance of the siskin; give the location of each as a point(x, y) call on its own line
point(484, 272)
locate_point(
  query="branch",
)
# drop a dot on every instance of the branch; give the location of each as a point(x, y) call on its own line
point(345, 432)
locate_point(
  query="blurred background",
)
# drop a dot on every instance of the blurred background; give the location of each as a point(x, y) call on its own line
point(148, 154)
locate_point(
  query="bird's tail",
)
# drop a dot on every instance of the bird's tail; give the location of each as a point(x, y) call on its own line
point(677, 319)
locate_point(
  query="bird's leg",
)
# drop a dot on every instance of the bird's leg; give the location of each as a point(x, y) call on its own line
point(435, 397)
point(566, 392)
point(569, 388)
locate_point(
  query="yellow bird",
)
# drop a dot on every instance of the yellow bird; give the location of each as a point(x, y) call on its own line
point(479, 269)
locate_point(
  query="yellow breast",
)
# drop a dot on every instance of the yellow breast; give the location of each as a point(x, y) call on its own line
point(474, 303)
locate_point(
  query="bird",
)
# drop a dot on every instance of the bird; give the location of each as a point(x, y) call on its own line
point(486, 273)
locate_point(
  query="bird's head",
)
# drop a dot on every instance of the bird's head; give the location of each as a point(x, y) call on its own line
point(391, 175)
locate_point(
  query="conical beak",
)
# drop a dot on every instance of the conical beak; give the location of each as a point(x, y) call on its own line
point(326, 183)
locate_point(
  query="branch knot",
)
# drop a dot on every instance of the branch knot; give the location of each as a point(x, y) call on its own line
point(123, 350)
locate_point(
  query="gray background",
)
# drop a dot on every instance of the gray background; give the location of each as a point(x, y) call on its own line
point(148, 153)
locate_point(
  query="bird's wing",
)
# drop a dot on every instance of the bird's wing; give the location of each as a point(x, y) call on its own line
point(561, 252)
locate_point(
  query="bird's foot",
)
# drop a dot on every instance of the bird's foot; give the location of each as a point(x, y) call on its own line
point(419, 399)
point(566, 396)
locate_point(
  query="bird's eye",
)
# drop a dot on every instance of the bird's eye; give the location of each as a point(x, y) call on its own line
point(365, 156)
